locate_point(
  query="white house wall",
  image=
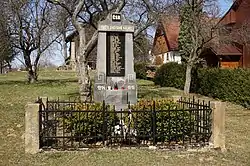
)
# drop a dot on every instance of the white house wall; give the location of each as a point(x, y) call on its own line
point(171, 56)
point(165, 57)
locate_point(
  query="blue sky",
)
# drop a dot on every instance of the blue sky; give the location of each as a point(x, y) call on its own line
point(57, 58)
point(225, 5)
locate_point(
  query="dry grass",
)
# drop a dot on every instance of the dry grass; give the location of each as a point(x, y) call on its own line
point(15, 93)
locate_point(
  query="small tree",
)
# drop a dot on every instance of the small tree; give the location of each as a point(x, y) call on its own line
point(196, 32)
point(31, 31)
point(7, 52)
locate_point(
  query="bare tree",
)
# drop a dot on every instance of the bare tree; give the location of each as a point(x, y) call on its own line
point(62, 26)
point(142, 47)
point(7, 53)
point(241, 33)
point(31, 31)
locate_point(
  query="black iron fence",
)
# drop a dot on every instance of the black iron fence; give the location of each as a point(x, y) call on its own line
point(75, 125)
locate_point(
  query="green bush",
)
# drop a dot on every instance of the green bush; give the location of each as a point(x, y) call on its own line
point(169, 124)
point(91, 124)
point(141, 70)
point(85, 123)
point(170, 75)
point(226, 84)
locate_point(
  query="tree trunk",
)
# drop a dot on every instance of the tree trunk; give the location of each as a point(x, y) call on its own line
point(64, 46)
point(9, 65)
point(1, 67)
point(83, 74)
point(84, 79)
point(32, 75)
point(188, 79)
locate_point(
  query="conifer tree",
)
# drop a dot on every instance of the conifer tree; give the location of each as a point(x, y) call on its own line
point(193, 35)
point(184, 39)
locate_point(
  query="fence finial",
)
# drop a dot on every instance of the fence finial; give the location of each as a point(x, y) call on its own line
point(176, 98)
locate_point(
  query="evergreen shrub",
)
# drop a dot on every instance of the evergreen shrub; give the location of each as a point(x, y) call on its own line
point(168, 121)
point(141, 70)
point(226, 84)
point(170, 75)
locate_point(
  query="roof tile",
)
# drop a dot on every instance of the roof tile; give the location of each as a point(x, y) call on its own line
point(172, 28)
point(227, 49)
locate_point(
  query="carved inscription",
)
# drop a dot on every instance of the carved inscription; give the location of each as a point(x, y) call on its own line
point(116, 17)
point(116, 54)
point(124, 28)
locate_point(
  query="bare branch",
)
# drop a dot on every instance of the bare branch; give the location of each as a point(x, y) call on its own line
point(20, 61)
point(92, 43)
point(50, 43)
point(104, 5)
point(78, 8)
point(120, 6)
point(148, 5)
point(62, 5)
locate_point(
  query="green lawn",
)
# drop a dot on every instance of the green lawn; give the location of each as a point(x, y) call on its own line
point(15, 93)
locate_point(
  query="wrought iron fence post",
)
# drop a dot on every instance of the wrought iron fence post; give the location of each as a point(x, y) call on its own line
point(154, 123)
point(104, 123)
point(40, 120)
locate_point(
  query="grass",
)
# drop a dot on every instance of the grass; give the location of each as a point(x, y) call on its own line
point(15, 93)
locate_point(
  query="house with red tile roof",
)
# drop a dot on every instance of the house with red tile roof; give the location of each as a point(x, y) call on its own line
point(233, 50)
point(230, 50)
point(165, 46)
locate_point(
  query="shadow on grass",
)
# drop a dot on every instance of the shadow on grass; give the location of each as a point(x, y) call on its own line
point(73, 96)
point(45, 82)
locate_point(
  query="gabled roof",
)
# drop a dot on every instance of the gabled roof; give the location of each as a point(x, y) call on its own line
point(172, 29)
point(234, 7)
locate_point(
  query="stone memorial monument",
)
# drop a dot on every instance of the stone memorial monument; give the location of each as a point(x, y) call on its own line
point(115, 82)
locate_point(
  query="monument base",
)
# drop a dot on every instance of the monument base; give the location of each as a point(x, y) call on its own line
point(120, 97)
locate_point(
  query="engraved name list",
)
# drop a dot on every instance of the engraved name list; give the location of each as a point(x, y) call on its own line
point(115, 54)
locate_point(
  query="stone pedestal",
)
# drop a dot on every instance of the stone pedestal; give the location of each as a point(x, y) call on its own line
point(218, 125)
point(32, 128)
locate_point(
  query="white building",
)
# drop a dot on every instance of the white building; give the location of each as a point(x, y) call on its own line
point(165, 46)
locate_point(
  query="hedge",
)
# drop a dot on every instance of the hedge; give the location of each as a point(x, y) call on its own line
point(171, 75)
point(141, 70)
point(226, 84)
point(91, 124)
point(169, 123)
